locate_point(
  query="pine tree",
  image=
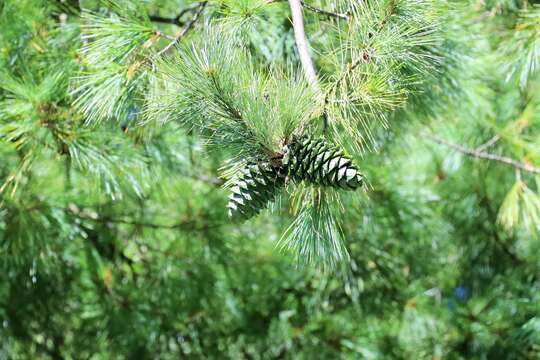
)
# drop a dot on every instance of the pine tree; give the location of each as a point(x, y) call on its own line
point(395, 143)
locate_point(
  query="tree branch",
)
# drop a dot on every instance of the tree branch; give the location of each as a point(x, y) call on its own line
point(483, 155)
point(302, 46)
point(363, 57)
point(350, 67)
point(488, 143)
point(182, 225)
point(324, 12)
point(177, 20)
point(166, 20)
point(185, 29)
point(326, 96)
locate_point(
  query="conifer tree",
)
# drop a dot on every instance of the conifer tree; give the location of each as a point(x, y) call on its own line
point(269, 179)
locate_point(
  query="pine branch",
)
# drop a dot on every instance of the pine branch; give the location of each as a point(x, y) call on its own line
point(185, 29)
point(72, 7)
point(357, 61)
point(177, 20)
point(165, 20)
point(378, 101)
point(350, 67)
point(343, 16)
point(166, 36)
point(488, 143)
point(302, 45)
point(182, 225)
point(483, 155)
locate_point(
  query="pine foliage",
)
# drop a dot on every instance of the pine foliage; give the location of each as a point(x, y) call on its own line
point(404, 198)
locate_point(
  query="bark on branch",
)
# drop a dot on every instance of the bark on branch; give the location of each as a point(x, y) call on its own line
point(177, 20)
point(303, 47)
point(325, 12)
point(185, 29)
point(484, 155)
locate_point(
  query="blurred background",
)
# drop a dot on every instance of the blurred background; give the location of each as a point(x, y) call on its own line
point(114, 236)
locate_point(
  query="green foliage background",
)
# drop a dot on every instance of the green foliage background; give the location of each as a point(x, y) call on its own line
point(114, 236)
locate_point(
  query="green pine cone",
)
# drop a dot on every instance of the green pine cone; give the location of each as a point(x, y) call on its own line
point(257, 185)
point(318, 162)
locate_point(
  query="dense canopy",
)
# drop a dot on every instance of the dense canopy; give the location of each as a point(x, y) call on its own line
point(266, 179)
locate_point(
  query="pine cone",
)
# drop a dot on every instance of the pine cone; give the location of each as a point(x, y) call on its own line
point(319, 162)
point(258, 184)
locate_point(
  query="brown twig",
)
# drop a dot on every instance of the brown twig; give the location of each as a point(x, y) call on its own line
point(325, 98)
point(350, 67)
point(163, 35)
point(185, 29)
point(177, 20)
point(488, 143)
point(364, 56)
point(343, 16)
point(483, 155)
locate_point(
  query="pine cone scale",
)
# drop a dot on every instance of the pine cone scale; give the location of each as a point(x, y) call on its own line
point(257, 185)
point(319, 162)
